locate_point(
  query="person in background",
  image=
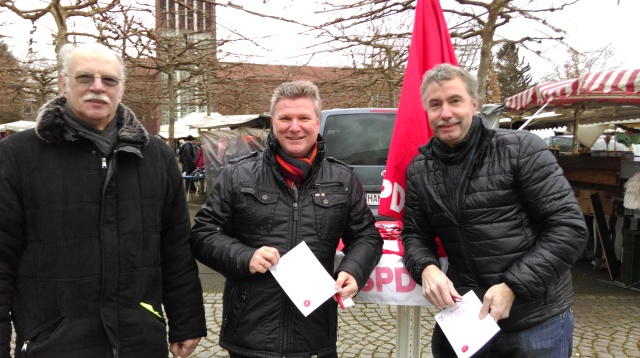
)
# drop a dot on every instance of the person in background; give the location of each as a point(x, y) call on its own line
point(262, 206)
point(608, 145)
point(200, 158)
point(94, 238)
point(188, 153)
point(507, 219)
point(200, 171)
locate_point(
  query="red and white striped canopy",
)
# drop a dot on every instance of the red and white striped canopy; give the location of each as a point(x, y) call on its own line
point(614, 86)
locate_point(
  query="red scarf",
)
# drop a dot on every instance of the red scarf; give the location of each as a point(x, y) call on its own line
point(295, 170)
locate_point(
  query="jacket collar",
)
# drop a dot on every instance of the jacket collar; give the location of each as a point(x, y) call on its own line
point(51, 128)
point(488, 133)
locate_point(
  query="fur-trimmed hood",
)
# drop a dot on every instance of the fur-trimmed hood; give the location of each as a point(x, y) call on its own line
point(51, 128)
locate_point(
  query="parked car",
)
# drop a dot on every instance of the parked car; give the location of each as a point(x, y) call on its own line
point(360, 137)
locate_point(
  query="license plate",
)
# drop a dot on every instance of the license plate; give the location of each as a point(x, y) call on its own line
point(373, 199)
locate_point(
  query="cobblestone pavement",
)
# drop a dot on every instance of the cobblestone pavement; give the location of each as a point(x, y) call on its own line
point(605, 326)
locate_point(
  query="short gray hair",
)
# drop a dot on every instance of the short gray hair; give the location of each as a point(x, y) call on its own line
point(446, 72)
point(67, 50)
point(297, 89)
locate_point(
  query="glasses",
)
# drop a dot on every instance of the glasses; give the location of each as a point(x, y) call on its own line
point(87, 80)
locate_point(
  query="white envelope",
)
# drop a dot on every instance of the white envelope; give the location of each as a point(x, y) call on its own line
point(465, 331)
point(303, 279)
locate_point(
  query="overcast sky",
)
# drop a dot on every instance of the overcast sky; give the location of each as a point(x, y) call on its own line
point(590, 24)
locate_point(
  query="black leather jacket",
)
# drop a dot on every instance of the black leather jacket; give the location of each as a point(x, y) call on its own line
point(517, 222)
point(251, 206)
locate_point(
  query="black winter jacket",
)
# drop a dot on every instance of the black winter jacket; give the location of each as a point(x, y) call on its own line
point(251, 206)
point(92, 249)
point(517, 222)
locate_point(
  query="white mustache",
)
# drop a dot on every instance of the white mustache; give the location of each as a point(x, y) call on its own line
point(449, 122)
point(97, 97)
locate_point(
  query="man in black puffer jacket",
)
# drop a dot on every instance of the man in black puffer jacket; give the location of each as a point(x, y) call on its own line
point(94, 235)
point(262, 206)
point(507, 219)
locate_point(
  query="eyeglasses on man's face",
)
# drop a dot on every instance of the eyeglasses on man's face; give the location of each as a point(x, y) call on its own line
point(87, 79)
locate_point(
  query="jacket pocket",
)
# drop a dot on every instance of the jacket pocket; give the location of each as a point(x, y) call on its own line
point(256, 209)
point(331, 210)
point(38, 336)
point(234, 302)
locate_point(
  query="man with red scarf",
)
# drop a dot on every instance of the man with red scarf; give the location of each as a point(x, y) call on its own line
point(265, 204)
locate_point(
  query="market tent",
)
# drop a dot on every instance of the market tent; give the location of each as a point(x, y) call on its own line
point(179, 131)
point(18, 126)
point(194, 117)
point(233, 121)
point(597, 99)
point(593, 89)
point(228, 137)
point(220, 146)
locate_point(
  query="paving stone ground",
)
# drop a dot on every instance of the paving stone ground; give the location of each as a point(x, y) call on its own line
point(605, 326)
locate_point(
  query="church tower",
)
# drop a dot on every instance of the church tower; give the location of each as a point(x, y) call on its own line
point(187, 15)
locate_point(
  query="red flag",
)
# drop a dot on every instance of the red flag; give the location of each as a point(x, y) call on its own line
point(430, 46)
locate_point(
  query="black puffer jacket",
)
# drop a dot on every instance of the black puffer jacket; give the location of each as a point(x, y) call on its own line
point(518, 223)
point(84, 240)
point(249, 207)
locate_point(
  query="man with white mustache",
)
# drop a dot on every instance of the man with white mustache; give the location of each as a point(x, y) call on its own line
point(95, 259)
point(507, 219)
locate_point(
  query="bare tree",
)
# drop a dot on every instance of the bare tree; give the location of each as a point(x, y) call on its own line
point(581, 63)
point(10, 94)
point(39, 84)
point(61, 14)
point(471, 21)
point(25, 85)
point(379, 61)
point(179, 57)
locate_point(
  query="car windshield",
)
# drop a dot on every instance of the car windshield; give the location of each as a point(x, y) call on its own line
point(359, 139)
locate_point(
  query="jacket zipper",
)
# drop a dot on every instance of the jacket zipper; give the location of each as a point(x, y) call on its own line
point(296, 212)
point(24, 346)
point(463, 189)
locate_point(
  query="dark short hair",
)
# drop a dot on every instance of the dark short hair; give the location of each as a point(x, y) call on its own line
point(190, 138)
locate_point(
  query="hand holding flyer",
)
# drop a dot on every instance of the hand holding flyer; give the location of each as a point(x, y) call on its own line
point(303, 279)
point(465, 331)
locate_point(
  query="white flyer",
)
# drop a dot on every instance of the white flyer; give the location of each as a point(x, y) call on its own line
point(465, 331)
point(303, 279)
